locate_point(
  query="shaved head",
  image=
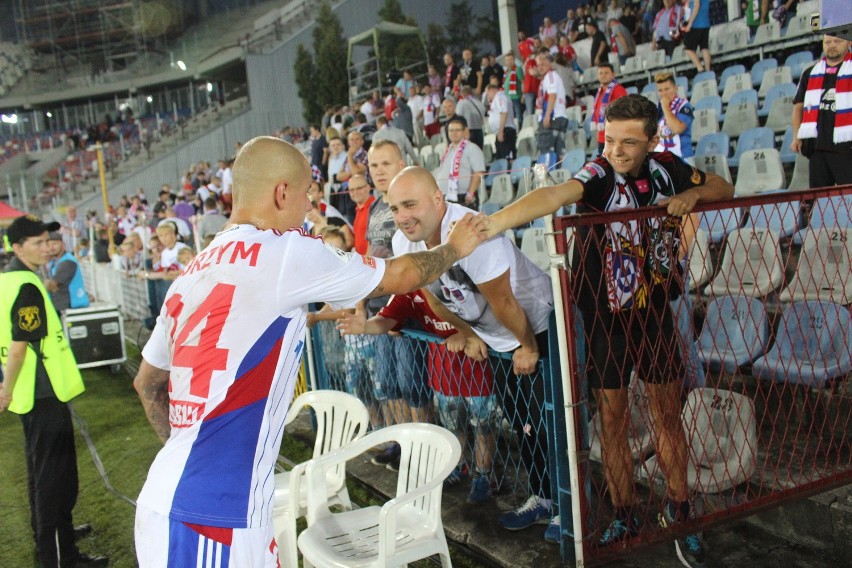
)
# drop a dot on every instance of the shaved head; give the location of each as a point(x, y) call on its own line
point(418, 205)
point(415, 177)
point(264, 162)
point(271, 180)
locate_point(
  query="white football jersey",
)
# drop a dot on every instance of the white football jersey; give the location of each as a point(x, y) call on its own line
point(231, 334)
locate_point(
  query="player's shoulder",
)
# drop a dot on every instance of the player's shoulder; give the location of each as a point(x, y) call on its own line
point(597, 169)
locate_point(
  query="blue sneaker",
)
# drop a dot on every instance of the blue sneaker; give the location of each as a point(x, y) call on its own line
point(618, 530)
point(534, 511)
point(689, 548)
point(459, 474)
point(553, 534)
point(480, 489)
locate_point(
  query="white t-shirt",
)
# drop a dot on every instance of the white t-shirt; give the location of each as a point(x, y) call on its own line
point(231, 333)
point(169, 257)
point(457, 288)
point(431, 105)
point(552, 83)
point(498, 106)
point(367, 110)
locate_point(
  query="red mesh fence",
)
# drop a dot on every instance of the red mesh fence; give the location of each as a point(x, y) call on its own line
point(716, 361)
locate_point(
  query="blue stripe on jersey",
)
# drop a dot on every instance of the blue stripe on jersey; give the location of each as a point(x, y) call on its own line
point(189, 548)
point(214, 488)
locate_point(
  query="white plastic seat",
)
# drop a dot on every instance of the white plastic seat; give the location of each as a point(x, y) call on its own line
point(824, 271)
point(640, 429)
point(774, 77)
point(700, 263)
point(341, 419)
point(534, 247)
point(801, 174)
point(785, 218)
point(721, 430)
point(751, 264)
point(767, 33)
point(501, 190)
point(740, 117)
point(713, 163)
point(406, 528)
point(760, 170)
point(704, 89)
point(720, 223)
point(704, 122)
point(736, 83)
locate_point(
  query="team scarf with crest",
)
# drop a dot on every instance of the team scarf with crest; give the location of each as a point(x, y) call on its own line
point(842, 101)
point(633, 244)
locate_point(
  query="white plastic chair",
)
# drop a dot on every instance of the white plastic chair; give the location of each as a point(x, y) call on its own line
point(406, 528)
point(750, 266)
point(721, 431)
point(341, 418)
point(700, 262)
point(534, 247)
point(824, 271)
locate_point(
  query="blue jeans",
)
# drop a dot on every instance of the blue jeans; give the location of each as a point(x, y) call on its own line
point(529, 102)
point(518, 107)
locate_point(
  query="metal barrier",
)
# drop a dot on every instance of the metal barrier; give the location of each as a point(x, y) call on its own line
point(115, 287)
point(768, 420)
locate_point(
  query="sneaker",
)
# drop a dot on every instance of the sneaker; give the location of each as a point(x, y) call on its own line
point(393, 465)
point(689, 548)
point(459, 474)
point(480, 489)
point(553, 534)
point(618, 530)
point(530, 513)
point(388, 455)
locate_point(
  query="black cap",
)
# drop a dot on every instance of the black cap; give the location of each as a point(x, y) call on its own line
point(28, 226)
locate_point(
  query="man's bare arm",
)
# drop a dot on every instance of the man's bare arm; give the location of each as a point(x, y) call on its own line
point(543, 201)
point(152, 384)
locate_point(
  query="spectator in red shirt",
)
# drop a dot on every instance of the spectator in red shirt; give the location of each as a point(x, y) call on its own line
point(531, 83)
point(359, 191)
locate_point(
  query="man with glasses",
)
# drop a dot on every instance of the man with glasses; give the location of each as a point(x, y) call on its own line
point(359, 192)
point(462, 165)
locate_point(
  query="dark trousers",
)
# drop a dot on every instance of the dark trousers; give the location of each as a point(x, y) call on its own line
point(829, 168)
point(506, 148)
point(52, 480)
point(477, 136)
point(522, 399)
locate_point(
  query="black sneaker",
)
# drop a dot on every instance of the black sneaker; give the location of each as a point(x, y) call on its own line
point(388, 456)
point(91, 560)
point(82, 531)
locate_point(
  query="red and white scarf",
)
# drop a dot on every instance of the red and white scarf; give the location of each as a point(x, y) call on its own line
point(511, 85)
point(453, 180)
point(668, 139)
point(843, 101)
point(604, 96)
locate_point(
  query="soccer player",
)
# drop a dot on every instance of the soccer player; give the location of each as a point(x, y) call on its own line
point(218, 373)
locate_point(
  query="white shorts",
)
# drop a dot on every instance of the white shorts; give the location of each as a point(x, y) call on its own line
point(165, 543)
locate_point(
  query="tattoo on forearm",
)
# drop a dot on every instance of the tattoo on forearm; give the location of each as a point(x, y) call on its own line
point(429, 265)
point(156, 403)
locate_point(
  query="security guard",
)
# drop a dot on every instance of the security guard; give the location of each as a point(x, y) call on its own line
point(40, 376)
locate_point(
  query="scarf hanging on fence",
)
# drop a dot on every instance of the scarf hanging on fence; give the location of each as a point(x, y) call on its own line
point(843, 101)
point(453, 180)
point(604, 102)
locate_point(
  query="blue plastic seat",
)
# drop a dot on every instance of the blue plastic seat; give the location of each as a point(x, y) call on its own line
point(759, 68)
point(716, 143)
point(746, 96)
point(778, 91)
point(704, 76)
point(714, 102)
point(735, 332)
point(760, 138)
point(785, 218)
point(812, 346)
point(797, 62)
point(632, 90)
point(574, 160)
point(729, 72)
point(788, 156)
point(489, 208)
point(495, 168)
point(520, 164)
point(549, 159)
point(649, 88)
point(720, 223)
point(831, 212)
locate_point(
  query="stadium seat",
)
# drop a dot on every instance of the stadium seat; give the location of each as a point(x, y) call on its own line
point(812, 345)
point(832, 212)
point(632, 65)
point(703, 90)
point(649, 91)
point(496, 167)
point(799, 25)
point(490, 208)
point(488, 147)
point(751, 264)
point(587, 126)
point(759, 68)
point(742, 114)
point(534, 247)
point(574, 160)
point(560, 176)
point(713, 163)
point(773, 77)
point(721, 432)
point(520, 164)
point(785, 218)
point(759, 171)
point(530, 123)
point(736, 41)
point(788, 156)
point(575, 139)
point(549, 159)
point(767, 33)
point(574, 113)
point(735, 332)
point(703, 76)
point(718, 143)
point(655, 59)
point(824, 271)
point(778, 107)
point(501, 190)
point(525, 184)
point(728, 72)
point(527, 146)
point(679, 55)
point(440, 149)
point(700, 262)
point(714, 102)
point(720, 223)
point(406, 528)
point(797, 62)
point(800, 180)
point(640, 429)
point(704, 122)
point(760, 138)
point(590, 75)
point(682, 84)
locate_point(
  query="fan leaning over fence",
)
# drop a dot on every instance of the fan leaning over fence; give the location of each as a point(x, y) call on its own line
point(624, 292)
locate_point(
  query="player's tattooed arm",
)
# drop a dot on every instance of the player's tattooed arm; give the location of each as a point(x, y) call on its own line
point(152, 385)
point(409, 272)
